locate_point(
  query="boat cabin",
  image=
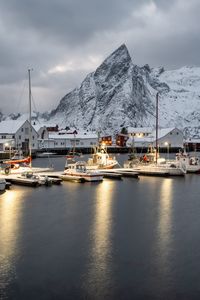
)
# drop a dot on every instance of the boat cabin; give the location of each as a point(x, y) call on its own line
point(79, 167)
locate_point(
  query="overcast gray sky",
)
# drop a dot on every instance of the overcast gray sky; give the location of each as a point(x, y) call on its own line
point(64, 40)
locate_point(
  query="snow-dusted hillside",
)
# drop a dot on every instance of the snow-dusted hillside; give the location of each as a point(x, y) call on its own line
point(180, 105)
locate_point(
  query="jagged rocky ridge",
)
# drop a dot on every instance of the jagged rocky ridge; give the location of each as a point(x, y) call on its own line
point(121, 94)
point(112, 97)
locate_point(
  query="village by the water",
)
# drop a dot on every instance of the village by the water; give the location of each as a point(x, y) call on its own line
point(91, 156)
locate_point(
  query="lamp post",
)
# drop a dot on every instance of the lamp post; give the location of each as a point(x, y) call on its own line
point(167, 145)
point(8, 145)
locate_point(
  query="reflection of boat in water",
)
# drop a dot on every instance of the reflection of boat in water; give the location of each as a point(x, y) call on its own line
point(78, 172)
point(101, 159)
point(46, 154)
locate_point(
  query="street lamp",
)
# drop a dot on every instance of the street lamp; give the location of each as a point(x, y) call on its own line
point(8, 145)
point(167, 145)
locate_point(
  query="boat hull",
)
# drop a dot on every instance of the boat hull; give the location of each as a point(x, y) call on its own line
point(158, 171)
point(81, 177)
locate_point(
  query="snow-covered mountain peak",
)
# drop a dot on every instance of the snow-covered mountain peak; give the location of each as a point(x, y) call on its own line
point(120, 94)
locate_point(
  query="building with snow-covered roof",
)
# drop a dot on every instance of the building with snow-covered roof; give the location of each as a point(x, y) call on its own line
point(139, 131)
point(167, 137)
point(19, 132)
point(67, 141)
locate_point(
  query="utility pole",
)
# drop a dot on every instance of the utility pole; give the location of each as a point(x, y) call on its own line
point(156, 127)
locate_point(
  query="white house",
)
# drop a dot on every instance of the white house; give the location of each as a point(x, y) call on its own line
point(167, 138)
point(41, 130)
point(18, 133)
point(139, 131)
point(64, 140)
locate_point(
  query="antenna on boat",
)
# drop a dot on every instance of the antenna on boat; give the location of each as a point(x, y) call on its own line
point(30, 133)
point(157, 127)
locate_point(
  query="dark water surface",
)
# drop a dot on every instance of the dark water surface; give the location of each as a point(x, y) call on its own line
point(129, 239)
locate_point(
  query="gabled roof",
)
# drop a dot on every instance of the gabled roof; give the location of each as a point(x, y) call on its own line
point(38, 126)
point(139, 129)
point(72, 136)
point(10, 126)
point(163, 132)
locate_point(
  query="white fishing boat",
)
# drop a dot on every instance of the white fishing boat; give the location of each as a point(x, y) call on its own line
point(159, 170)
point(151, 164)
point(19, 164)
point(78, 172)
point(29, 179)
point(190, 162)
point(101, 159)
point(42, 180)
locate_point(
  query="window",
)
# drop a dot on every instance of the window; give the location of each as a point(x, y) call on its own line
point(26, 130)
point(33, 137)
point(19, 137)
point(177, 133)
point(22, 129)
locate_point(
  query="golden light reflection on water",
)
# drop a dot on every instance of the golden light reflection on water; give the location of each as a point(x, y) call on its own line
point(10, 216)
point(165, 220)
point(101, 238)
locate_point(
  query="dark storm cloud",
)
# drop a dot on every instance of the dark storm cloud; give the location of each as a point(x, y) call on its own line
point(64, 40)
point(73, 21)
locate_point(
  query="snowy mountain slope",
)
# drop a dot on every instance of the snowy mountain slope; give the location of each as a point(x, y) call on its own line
point(120, 94)
point(181, 104)
point(112, 97)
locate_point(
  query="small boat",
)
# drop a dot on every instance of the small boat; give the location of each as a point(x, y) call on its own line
point(78, 172)
point(22, 180)
point(25, 160)
point(191, 163)
point(29, 179)
point(2, 185)
point(148, 166)
point(42, 180)
point(101, 159)
point(158, 170)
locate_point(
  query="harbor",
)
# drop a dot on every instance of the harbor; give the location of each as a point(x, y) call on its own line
point(99, 150)
point(139, 231)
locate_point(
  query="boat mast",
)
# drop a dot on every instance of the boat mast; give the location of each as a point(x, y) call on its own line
point(30, 132)
point(156, 128)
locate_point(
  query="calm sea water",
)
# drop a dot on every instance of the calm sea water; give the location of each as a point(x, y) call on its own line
point(129, 239)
